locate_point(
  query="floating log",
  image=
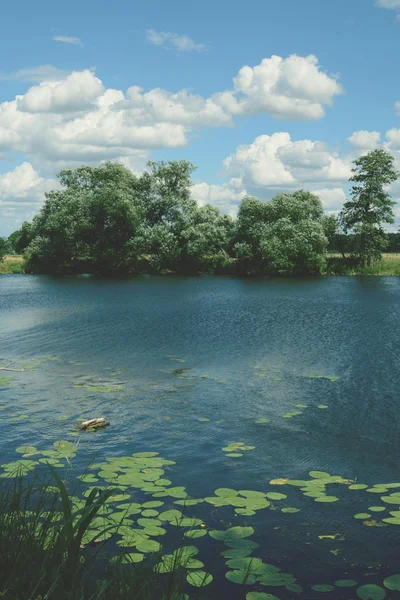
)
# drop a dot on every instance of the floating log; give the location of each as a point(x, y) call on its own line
point(94, 423)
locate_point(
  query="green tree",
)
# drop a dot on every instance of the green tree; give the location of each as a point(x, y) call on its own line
point(19, 240)
point(3, 248)
point(370, 206)
point(284, 236)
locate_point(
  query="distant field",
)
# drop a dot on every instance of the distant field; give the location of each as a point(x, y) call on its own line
point(12, 264)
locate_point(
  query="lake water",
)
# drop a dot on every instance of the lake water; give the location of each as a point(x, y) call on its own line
point(194, 364)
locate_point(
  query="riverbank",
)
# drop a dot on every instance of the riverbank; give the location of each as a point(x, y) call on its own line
point(389, 266)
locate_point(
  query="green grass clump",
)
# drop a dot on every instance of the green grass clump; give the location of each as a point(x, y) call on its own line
point(12, 265)
point(389, 265)
point(43, 552)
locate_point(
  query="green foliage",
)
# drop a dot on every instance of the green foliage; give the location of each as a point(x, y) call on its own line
point(370, 207)
point(3, 248)
point(285, 236)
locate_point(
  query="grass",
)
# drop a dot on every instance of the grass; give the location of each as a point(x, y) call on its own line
point(389, 265)
point(43, 554)
point(12, 265)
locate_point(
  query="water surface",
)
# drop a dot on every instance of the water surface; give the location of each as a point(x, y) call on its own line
point(231, 351)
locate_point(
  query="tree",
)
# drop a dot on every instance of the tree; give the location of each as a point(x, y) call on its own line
point(284, 236)
point(3, 248)
point(370, 207)
point(19, 240)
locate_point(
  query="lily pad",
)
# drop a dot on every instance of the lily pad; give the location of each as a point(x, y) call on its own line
point(362, 516)
point(345, 583)
point(322, 588)
point(260, 596)
point(199, 578)
point(371, 592)
point(241, 577)
point(392, 582)
point(276, 496)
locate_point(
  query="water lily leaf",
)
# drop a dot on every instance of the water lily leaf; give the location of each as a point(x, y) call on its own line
point(234, 454)
point(322, 588)
point(237, 552)
point(241, 577)
point(392, 582)
point(362, 516)
point(358, 486)
point(247, 564)
point(251, 494)
point(326, 499)
point(291, 511)
point(152, 504)
point(148, 546)
point(203, 419)
point(391, 499)
point(262, 421)
point(170, 515)
point(195, 533)
point(189, 502)
point(280, 481)
point(392, 520)
point(371, 592)
point(26, 450)
point(260, 596)
point(294, 587)
point(276, 496)
point(246, 512)
point(145, 454)
point(225, 492)
point(319, 474)
point(148, 522)
point(132, 557)
point(149, 512)
point(377, 508)
point(345, 583)
point(199, 578)
point(323, 406)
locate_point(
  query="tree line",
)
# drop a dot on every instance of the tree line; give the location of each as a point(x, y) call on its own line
point(105, 219)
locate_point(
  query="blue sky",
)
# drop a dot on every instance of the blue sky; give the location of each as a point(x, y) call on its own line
point(210, 92)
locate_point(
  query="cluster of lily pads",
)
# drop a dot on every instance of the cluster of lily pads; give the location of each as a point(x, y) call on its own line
point(236, 449)
point(137, 524)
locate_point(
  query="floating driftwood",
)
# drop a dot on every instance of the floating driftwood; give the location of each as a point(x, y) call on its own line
point(94, 423)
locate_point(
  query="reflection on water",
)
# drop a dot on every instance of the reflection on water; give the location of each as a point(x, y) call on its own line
point(303, 372)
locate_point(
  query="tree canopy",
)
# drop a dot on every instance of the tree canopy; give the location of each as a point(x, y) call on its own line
point(370, 206)
point(105, 219)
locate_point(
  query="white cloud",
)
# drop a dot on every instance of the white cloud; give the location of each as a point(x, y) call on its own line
point(393, 138)
point(74, 118)
point(77, 91)
point(68, 39)
point(391, 4)
point(226, 196)
point(21, 195)
point(37, 74)
point(397, 107)
point(332, 199)
point(23, 183)
point(366, 140)
point(277, 162)
point(285, 88)
point(182, 42)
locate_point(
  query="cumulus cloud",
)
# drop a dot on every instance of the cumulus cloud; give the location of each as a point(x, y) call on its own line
point(68, 39)
point(21, 194)
point(76, 92)
point(286, 88)
point(365, 140)
point(275, 161)
point(332, 199)
point(74, 118)
point(181, 42)
point(226, 196)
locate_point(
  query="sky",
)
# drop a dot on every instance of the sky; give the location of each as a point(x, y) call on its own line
point(263, 97)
